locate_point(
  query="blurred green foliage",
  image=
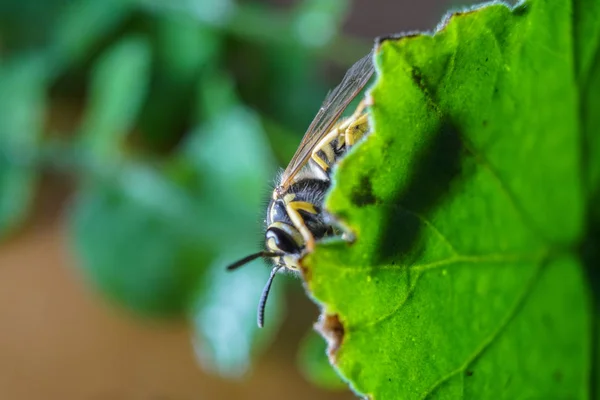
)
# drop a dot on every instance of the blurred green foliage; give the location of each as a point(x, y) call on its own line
point(183, 111)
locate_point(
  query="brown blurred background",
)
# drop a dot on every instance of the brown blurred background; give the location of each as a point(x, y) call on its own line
point(60, 339)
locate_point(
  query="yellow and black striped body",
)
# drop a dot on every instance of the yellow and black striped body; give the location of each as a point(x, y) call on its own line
point(294, 216)
point(342, 136)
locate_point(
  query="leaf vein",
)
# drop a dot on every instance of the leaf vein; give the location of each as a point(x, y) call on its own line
point(484, 163)
point(493, 258)
point(434, 228)
point(486, 343)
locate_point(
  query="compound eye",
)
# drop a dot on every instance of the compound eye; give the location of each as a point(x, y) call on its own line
point(282, 240)
point(276, 212)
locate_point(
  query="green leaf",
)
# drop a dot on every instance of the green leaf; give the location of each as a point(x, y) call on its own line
point(317, 21)
point(23, 87)
point(177, 34)
point(118, 88)
point(469, 205)
point(314, 365)
point(175, 74)
point(135, 243)
point(232, 162)
point(25, 24)
point(227, 337)
point(81, 26)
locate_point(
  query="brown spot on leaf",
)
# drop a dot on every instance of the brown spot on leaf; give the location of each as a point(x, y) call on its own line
point(330, 327)
point(396, 37)
point(466, 12)
point(458, 14)
point(304, 271)
point(417, 77)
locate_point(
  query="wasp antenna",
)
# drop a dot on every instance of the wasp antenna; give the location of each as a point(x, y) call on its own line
point(249, 258)
point(263, 298)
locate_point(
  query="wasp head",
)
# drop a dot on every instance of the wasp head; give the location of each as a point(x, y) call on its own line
point(282, 236)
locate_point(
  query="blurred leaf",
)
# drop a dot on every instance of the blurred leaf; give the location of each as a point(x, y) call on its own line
point(25, 24)
point(186, 48)
point(314, 364)
point(209, 12)
point(23, 87)
point(227, 167)
point(185, 45)
point(233, 164)
point(136, 244)
point(284, 141)
point(159, 243)
point(82, 25)
point(317, 22)
point(291, 98)
point(216, 95)
point(232, 155)
point(257, 23)
point(119, 85)
point(282, 81)
point(466, 277)
point(225, 318)
point(261, 25)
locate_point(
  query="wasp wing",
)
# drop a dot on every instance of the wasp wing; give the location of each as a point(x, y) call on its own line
point(334, 105)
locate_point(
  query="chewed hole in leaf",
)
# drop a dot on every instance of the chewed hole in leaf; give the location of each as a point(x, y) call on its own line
point(330, 327)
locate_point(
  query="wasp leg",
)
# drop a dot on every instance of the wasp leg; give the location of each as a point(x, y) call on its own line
point(360, 108)
point(356, 130)
point(352, 129)
point(322, 145)
point(357, 124)
point(293, 209)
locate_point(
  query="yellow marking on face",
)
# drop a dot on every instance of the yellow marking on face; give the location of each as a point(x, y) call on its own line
point(290, 262)
point(271, 245)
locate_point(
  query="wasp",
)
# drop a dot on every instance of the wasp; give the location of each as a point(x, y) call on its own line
point(295, 217)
